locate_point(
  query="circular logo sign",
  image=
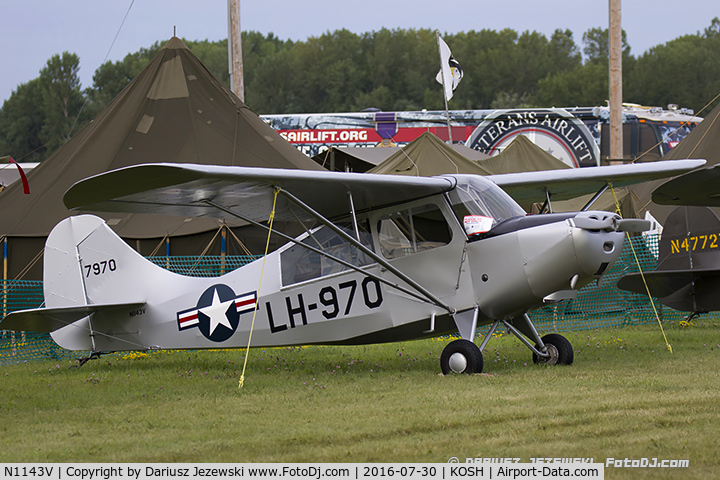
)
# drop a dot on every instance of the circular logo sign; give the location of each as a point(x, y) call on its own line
point(554, 130)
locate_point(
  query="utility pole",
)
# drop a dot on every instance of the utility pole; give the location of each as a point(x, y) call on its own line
point(237, 83)
point(615, 81)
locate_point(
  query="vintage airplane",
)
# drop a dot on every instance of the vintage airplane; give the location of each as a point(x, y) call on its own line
point(687, 276)
point(383, 258)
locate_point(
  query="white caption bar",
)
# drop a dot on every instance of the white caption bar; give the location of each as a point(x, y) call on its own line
point(300, 471)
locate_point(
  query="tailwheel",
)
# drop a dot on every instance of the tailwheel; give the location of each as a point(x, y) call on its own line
point(559, 349)
point(461, 356)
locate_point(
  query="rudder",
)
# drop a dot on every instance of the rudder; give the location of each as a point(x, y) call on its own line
point(87, 263)
point(690, 240)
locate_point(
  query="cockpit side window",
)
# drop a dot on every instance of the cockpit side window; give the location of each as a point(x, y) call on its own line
point(480, 204)
point(412, 230)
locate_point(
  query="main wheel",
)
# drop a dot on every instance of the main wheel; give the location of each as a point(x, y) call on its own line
point(560, 350)
point(461, 356)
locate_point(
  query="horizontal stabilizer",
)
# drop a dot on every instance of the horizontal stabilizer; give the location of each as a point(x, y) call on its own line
point(661, 283)
point(684, 290)
point(50, 319)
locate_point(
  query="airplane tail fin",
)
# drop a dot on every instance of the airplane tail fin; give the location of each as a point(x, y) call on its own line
point(63, 284)
point(690, 240)
point(87, 270)
point(86, 263)
point(687, 276)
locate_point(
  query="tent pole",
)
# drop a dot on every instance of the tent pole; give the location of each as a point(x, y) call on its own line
point(5, 276)
point(223, 248)
point(167, 251)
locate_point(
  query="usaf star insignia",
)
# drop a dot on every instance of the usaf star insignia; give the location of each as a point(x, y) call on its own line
point(217, 313)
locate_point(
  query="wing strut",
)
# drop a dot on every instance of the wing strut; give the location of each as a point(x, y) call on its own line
point(354, 217)
point(336, 259)
point(426, 293)
point(547, 203)
point(595, 197)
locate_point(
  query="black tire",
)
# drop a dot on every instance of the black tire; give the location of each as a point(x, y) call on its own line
point(561, 352)
point(469, 358)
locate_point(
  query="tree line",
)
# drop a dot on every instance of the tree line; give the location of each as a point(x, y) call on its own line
point(393, 70)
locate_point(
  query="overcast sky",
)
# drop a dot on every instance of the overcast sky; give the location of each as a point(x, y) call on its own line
point(34, 30)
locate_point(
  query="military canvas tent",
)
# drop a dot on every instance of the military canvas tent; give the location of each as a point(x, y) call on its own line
point(10, 173)
point(702, 142)
point(173, 111)
point(522, 155)
point(362, 159)
point(353, 159)
point(426, 156)
point(469, 153)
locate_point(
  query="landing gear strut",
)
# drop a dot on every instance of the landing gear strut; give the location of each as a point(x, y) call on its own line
point(558, 348)
point(463, 356)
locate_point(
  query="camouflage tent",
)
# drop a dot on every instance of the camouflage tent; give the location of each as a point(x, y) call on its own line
point(522, 155)
point(173, 111)
point(426, 156)
point(702, 142)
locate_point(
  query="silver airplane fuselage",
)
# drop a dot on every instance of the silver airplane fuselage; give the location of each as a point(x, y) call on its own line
point(295, 296)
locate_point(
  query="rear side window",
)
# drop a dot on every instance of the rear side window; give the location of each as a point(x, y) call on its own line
point(300, 264)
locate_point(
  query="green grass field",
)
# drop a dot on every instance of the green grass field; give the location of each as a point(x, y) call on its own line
point(625, 396)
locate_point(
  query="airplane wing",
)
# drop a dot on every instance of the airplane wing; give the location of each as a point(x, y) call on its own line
point(698, 188)
point(50, 319)
point(185, 189)
point(564, 184)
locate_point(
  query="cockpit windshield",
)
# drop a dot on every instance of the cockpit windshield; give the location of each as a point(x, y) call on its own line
point(480, 204)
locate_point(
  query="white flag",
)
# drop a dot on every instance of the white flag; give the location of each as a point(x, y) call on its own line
point(449, 68)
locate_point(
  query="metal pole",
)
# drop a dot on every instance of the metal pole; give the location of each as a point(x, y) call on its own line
point(5, 276)
point(442, 75)
point(223, 247)
point(615, 81)
point(237, 83)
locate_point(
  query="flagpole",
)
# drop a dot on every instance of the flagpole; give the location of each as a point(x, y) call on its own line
point(442, 74)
